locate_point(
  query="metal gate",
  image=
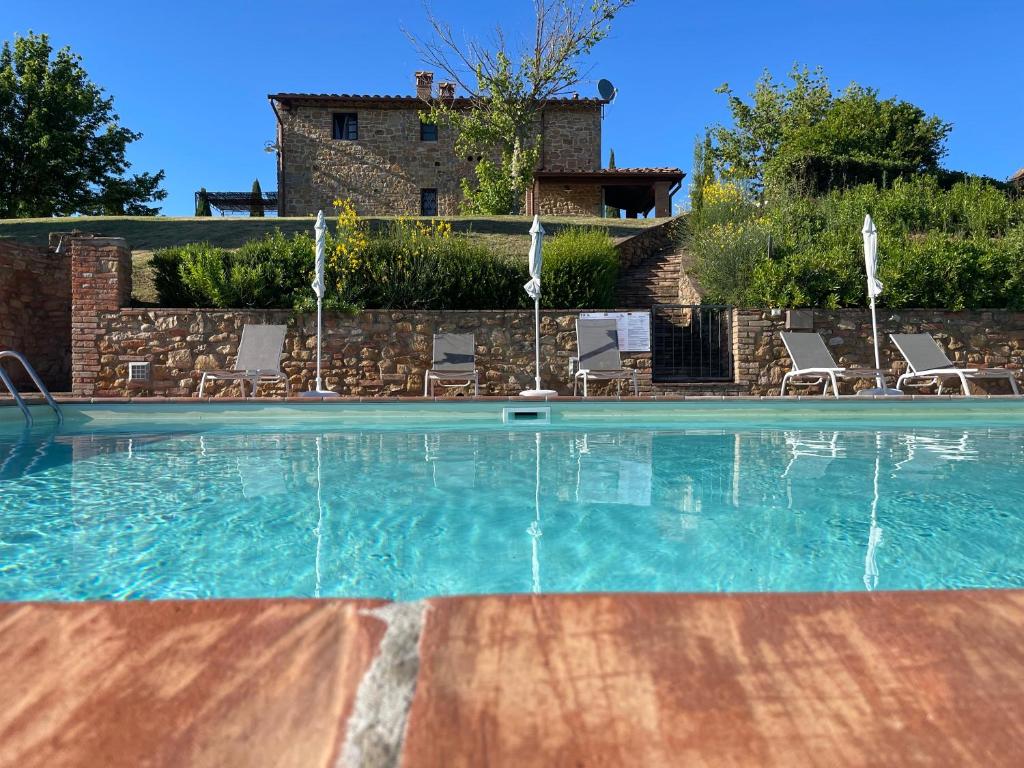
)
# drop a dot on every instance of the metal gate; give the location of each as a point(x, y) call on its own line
point(691, 342)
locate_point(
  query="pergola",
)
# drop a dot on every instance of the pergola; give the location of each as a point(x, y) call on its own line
point(633, 190)
point(240, 202)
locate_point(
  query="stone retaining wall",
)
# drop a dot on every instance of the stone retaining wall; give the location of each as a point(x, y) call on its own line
point(386, 352)
point(35, 311)
point(378, 352)
point(979, 339)
point(636, 249)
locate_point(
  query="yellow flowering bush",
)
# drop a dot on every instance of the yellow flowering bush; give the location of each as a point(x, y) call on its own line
point(722, 193)
point(349, 242)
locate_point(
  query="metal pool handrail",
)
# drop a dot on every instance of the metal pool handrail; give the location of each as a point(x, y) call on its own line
point(35, 379)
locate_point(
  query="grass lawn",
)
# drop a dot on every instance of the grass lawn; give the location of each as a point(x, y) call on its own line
point(145, 234)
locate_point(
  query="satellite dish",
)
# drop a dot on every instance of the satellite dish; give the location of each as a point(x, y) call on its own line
point(606, 89)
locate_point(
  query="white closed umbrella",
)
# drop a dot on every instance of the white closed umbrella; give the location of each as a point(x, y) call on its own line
point(533, 290)
point(874, 289)
point(319, 289)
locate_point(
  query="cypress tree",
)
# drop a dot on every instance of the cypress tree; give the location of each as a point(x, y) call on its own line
point(256, 209)
point(203, 203)
point(612, 213)
point(703, 172)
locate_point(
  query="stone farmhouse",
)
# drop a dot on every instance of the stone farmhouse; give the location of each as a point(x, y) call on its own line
point(376, 151)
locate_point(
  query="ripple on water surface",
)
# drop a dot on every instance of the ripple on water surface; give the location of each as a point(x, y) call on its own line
point(409, 514)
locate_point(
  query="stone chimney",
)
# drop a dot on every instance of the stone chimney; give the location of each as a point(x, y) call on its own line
point(424, 85)
point(446, 91)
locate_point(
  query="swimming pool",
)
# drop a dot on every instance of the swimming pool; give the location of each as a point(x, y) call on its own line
point(402, 501)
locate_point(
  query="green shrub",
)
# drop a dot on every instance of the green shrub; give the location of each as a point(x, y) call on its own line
point(821, 277)
point(581, 267)
point(726, 257)
point(478, 279)
point(411, 265)
point(170, 288)
point(275, 271)
point(957, 248)
point(406, 265)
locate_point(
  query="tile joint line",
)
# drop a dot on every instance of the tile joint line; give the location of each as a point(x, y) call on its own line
point(375, 734)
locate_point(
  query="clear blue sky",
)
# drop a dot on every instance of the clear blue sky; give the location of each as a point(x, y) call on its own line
point(193, 76)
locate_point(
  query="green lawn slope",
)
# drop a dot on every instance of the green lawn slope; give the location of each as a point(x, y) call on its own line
point(151, 232)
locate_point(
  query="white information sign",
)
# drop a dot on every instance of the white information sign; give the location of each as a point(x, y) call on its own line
point(634, 328)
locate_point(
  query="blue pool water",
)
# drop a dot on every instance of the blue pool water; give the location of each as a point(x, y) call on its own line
point(140, 506)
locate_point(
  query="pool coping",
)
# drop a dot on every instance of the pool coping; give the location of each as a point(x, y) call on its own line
point(528, 680)
point(6, 400)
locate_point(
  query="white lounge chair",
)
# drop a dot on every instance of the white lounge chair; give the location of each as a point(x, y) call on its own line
point(453, 363)
point(597, 347)
point(928, 364)
point(258, 359)
point(812, 360)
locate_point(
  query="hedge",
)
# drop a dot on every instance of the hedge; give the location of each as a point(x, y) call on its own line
point(405, 266)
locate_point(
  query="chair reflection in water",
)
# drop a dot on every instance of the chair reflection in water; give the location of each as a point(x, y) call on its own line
point(613, 468)
point(811, 456)
point(452, 459)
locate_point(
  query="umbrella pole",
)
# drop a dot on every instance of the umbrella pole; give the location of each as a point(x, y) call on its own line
point(874, 335)
point(536, 336)
point(319, 333)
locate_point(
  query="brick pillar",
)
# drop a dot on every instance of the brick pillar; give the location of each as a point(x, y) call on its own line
point(101, 282)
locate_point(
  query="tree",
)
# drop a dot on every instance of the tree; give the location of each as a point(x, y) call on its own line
point(703, 172)
point(806, 137)
point(62, 148)
point(609, 212)
point(256, 208)
point(507, 90)
point(203, 203)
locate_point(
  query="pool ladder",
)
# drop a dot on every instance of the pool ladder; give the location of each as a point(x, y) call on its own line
point(18, 399)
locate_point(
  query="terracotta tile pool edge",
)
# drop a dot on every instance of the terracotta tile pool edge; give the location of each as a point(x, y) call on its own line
point(560, 679)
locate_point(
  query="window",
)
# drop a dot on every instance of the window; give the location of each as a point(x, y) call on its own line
point(346, 126)
point(428, 202)
point(428, 131)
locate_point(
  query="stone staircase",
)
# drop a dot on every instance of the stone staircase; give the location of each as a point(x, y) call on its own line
point(662, 278)
point(654, 281)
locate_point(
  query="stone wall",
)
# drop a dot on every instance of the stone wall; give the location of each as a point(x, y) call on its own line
point(35, 311)
point(386, 352)
point(383, 171)
point(572, 137)
point(573, 199)
point(373, 353)
point(985, 338)
point(636, 249)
